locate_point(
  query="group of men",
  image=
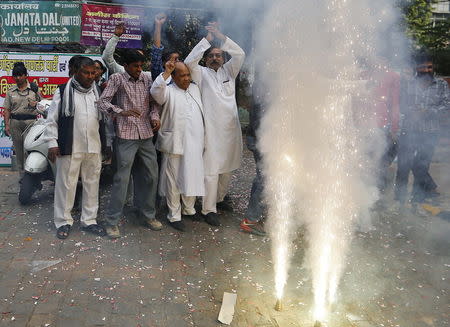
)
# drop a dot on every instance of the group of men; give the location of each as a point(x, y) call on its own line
point(188, 114)
point(406, 110)
point(191, 107)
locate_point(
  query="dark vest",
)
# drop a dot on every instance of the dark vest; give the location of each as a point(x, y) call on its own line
point(65, 129)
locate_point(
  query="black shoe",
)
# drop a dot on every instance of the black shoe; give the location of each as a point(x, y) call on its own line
point(224, 206)
point(95, 229)
point(179, 225)
point(194, 217)
point(212, 219)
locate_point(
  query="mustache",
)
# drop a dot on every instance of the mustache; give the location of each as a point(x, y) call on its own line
point(425, 75)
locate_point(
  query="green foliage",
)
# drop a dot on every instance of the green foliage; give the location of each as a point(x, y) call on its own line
point(183, 31)
point(426, 34)
point(418, 16)
point(438, 35)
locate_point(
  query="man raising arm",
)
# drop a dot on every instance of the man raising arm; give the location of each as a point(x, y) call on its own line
point(181, 141)
point(137, 120)
point(223, 137)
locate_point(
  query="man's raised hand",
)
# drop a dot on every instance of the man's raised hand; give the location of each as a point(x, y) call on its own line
point(159, 21)
point(209, 37)
point(213, 29)
point(170, 66)
point(119, 30)
point(160, 18)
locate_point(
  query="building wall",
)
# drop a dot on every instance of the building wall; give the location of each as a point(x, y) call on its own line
point(441, 10)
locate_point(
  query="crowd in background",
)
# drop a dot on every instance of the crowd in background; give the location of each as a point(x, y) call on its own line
point(175, 132)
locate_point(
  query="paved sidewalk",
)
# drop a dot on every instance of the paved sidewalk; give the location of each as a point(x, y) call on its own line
point(397, 275)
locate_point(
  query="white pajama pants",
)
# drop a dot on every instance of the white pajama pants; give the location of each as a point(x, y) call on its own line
point(68, 169)
point(216, 187)
point(177, 203)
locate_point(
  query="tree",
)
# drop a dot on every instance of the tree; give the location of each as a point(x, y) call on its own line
point(426, 34)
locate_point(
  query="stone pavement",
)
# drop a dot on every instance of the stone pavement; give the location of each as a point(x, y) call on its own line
point(396, 275)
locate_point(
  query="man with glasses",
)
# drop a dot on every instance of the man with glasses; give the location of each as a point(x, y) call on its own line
point(223, 137)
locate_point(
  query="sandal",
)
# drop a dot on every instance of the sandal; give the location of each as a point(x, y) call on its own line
point(63, 232)
point(94, 229)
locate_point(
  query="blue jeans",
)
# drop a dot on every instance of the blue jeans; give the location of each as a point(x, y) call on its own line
point(415, 154)
point(256, 206)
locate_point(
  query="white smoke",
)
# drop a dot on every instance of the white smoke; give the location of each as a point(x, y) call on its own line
point(320, 166)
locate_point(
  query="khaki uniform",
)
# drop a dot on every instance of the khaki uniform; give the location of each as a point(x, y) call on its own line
point(17, 102)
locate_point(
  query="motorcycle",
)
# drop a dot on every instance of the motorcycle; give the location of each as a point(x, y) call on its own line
point(37, 166)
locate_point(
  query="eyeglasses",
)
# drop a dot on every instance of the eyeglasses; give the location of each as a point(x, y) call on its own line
point(214, 55)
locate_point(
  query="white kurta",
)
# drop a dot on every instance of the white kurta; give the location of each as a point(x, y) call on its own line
point(183, 112)
point(223, 136)
point(85, 159)
point(187, 169)
point(86, 138)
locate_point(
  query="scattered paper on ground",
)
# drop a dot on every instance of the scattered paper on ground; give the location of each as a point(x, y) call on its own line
point(39, 265)
point(227, 310)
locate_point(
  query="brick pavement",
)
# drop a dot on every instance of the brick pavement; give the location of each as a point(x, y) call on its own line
point(396, 275)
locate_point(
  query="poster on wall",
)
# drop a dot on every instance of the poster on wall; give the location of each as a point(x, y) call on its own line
point(46, 70)
point(99, 21)
point(40, 22)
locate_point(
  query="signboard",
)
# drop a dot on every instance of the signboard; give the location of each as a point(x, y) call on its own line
point(99, 21)
point(40, 22)
point(46, 70)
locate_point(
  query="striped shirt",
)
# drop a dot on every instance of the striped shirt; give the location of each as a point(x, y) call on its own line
point(422, 106)
point(130, 94)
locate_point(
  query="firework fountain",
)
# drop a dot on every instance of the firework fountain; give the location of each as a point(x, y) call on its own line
point(319, 165)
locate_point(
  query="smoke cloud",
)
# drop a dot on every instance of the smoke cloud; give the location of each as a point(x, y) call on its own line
point(320, 165)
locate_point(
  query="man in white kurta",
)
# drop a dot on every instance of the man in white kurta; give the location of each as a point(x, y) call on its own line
point(223, 136)
point(76, 152)
point(180, 140)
